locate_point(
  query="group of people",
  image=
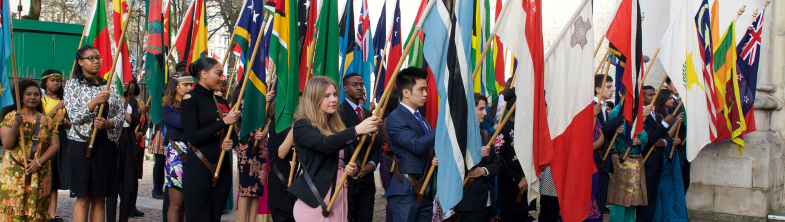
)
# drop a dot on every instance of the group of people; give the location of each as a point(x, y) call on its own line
point(51, 145)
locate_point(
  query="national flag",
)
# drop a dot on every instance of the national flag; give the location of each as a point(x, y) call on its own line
point(6, 98)
point(415, 59)
point(489, 78)
point(394, 52)
point(347, 45)
point(364, 60)
point(705, 23)
point(167, 24)
point(98, 36)
point(379, 43)
point(284, 40)
point(478, 41)
point(198, 34)
point(249, 26)
point(182, 42)
point(624, 34)
point(447, 51)
point(680, 55)
point(309, 15)
point(154, 57)
point(726, 78)
point(559, 135)
point(123, 72)
point(498, 57)
point(325, 63)
point(747, 68)
point(414, 55)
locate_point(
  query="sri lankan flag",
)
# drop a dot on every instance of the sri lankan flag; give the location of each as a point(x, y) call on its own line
point(284, 55)
point(98, 36)
point(123, 71)
point(727, 81)
point(249, 27)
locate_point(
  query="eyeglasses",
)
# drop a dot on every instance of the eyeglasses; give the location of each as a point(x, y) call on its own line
point(94, 58)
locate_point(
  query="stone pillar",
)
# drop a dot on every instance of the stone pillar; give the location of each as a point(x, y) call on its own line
point(728, 186)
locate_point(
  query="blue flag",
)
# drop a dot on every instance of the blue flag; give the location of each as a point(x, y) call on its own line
point(379, 40)
point(6, 98)
point(747, 65)
point(447, 48)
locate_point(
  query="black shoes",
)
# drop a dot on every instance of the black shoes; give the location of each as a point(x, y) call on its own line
point(136, 213)
point(55, 219)
point(157, 196)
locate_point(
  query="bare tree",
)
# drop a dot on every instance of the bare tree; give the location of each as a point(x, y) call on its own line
point(65, 11)
point(35, 10)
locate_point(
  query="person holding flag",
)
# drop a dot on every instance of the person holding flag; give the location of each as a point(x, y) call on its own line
point(51, 82)
point(92, 178)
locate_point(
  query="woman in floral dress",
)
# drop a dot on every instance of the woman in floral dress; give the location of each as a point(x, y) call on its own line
point(21, 201)
point(252, 166)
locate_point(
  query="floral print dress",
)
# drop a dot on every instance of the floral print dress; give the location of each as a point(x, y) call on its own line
point(252, 168)
point(17, 201)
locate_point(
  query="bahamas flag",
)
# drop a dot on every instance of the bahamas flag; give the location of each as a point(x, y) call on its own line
point(284, 40)
point(6, 99)
point(98, 36)
point(347, 45)
point(249, 26)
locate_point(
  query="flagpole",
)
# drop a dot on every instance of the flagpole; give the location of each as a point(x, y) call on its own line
point(741, 11)
point(382, 106)
point(492, 36)
point(654, 99)
point(18, 101)
point(239, 97)
point(646, 74)
point(73, 67)
point(291, 168)
point(110, 80)
point(602, 62)
point(676, 134)
point(386, 94)
point(599, 45)
point(266, 106)
point(234, 30)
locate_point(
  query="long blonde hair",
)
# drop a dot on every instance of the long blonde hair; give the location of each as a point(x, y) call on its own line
point(327, 124)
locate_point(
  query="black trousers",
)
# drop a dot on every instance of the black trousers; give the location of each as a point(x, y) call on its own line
point(549, 209)
point(158, 174)
point(508, 216)
point(128, 191)
point(646, 213)
point(479, 216)
point(281, 217)
point(361, 195)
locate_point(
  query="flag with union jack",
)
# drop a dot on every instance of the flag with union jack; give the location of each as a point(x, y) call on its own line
point(747, 68)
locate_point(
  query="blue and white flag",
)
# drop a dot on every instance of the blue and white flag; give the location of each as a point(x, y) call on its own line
point(6, 98)
point(447, 48)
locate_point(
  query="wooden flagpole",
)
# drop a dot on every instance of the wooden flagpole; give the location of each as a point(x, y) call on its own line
point(675, 134)
point(110, 80)
point(18, 100)
point(386, 94)
point(73, 67)
point(242, 92)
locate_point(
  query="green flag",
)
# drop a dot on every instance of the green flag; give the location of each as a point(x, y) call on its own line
point(325, 61)
point(284, 40)
point(490, 74)
point(154, 67)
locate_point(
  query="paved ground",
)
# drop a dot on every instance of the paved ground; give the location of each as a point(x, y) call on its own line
point(152, 207)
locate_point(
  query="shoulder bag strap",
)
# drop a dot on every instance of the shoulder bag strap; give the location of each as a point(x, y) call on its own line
point(315, 192)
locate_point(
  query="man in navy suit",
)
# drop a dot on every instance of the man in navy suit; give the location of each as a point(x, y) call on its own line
point(412, 140)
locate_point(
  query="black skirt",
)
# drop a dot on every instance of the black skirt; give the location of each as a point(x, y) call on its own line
point(94, 177)
point(61, 171)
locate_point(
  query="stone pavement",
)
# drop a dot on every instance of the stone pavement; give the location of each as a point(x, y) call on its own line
point(152, 207)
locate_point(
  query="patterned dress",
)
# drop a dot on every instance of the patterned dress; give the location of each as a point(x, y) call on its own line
point(18, 202)
point(252, 168)
point(174, 164)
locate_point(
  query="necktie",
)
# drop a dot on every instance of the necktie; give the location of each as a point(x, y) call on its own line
point(417, 114)
point(359, 113)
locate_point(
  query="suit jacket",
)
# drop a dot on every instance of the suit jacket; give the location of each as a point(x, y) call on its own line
point(475, 192)
point(608, 130)
point(350, 119)
point(510, 171)
point(412, 146)
point(319, 154)
point(656, 132)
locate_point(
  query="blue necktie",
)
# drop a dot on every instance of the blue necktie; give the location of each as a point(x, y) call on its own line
point(417, 114)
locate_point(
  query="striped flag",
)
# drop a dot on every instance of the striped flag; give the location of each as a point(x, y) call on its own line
point(498, 57)
point(192, 41)
point(447, 49)
point(249, 26)
point(727, 82)
point(98, 36)
point(123, 72)
point(284, 39)
point(347, 45)
point(706, 33)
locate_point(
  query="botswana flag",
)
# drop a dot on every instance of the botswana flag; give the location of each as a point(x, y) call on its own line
point(447, 49)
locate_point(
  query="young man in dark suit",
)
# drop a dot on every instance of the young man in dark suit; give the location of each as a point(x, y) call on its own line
point(609, 128)
point(411, 138)
point(360, 194)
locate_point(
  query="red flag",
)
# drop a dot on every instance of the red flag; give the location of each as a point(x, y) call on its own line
point(306, 57)
point(182, 37)
point(499, 72)
point(624, 33)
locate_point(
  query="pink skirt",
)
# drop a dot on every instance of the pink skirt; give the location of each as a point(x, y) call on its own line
point(302, 212)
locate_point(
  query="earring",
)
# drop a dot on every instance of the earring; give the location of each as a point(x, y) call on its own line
point(204, 77)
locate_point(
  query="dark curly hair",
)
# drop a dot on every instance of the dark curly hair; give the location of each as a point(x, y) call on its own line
point(23, 85)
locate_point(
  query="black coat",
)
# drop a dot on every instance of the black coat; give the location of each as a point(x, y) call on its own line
point(475, 192)
point(656, 132)
point(279, 200)
point(510, 172)
point(608, 130)
point(350, 119)
point(319, 154)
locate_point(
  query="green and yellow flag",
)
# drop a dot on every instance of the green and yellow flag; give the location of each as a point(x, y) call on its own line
point(284, 55)
point(727, 83)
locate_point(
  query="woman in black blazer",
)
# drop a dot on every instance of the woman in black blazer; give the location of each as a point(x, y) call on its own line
point(320, 137)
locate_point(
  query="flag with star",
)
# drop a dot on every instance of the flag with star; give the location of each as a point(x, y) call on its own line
point(747, 68)
point(249, 26)
point(6, 99)
point(155, 65)
point(706, 31)
point(364, 49)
